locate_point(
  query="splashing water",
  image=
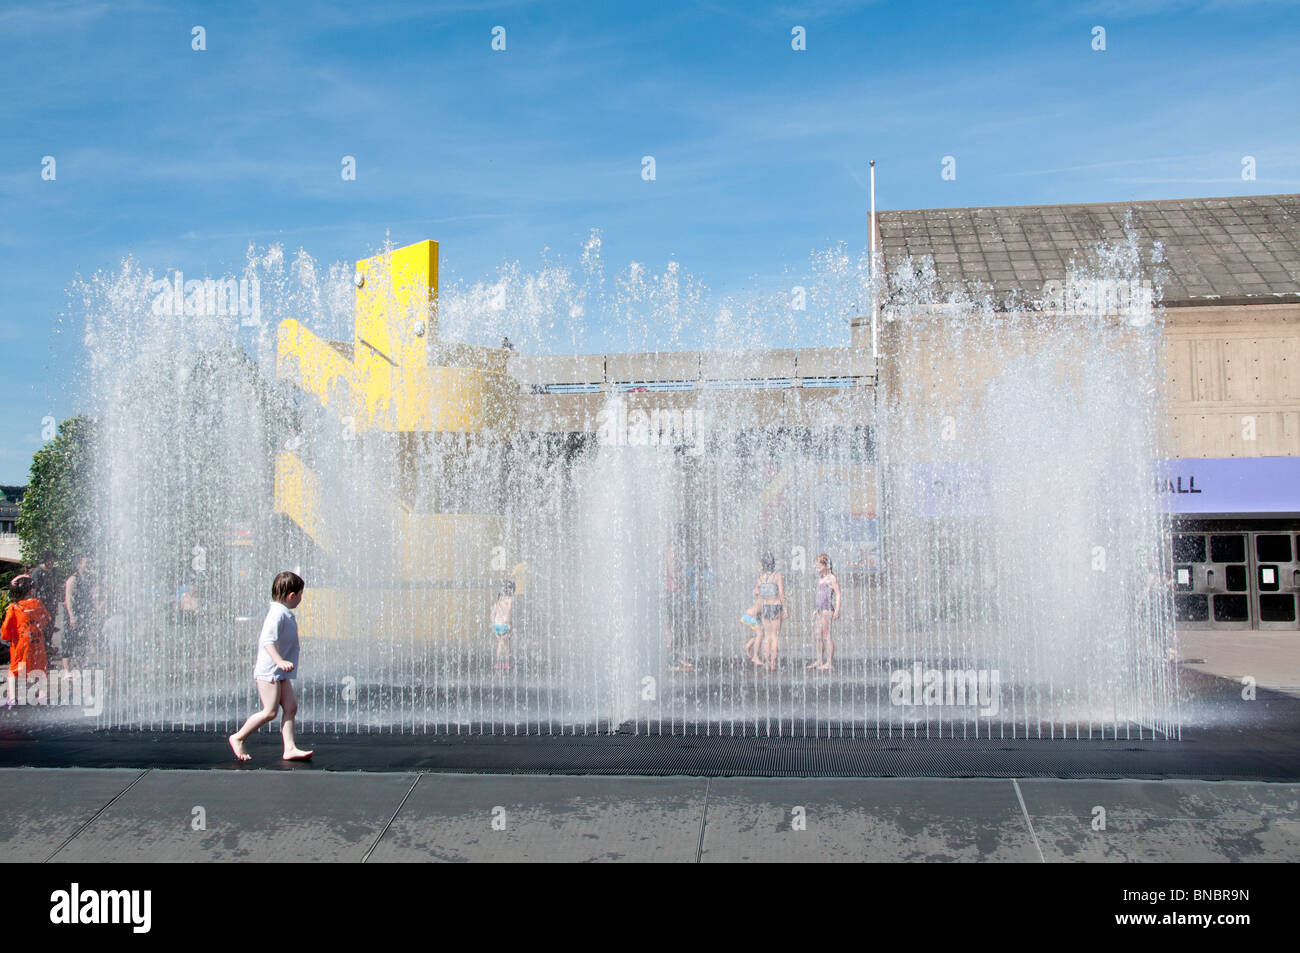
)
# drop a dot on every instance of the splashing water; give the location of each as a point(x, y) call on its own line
point(988, 504)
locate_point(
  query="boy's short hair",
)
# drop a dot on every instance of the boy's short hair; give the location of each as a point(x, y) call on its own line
point(20, 586)
point(286, 584)
point(508, 587)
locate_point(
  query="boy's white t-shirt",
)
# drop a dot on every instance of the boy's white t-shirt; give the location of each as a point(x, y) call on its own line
point(281, 629)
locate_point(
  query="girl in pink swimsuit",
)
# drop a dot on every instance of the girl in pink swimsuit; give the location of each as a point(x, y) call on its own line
point(826, 608)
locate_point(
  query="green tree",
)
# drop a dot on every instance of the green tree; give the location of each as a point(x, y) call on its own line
point(57, 510)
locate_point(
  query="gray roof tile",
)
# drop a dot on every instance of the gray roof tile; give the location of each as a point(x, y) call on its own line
point(1226, 247)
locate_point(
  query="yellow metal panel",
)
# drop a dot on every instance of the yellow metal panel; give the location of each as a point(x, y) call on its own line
point(313, 365)
point(379, 396)
point(439, 547)
point(397, 616)
point(398, 378)
point(297, 495)
point(453, 547)
point(400, 292)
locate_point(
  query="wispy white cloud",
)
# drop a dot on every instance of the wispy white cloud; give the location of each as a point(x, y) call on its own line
point(1109, 164)
point(1136, 9)
point(60, 15)
point(1252, 186)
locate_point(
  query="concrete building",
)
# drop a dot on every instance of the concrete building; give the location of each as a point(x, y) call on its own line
point(11, 498)
point(1230, 284)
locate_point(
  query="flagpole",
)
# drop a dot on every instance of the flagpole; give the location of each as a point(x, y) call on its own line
point(875, 340)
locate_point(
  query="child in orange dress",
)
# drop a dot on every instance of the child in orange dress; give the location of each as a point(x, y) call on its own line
point(24, 627)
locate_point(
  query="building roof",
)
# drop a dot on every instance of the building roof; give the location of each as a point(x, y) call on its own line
point(1243, 249)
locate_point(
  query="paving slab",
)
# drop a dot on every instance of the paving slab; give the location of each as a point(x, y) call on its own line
point(43, 807)
point(877, 819)
point(1271, 658)
point(100, 815)
point(298, 816)
point(1165, 821)
point(546, 818)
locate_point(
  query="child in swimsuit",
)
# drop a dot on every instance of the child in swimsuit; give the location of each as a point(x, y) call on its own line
point(501, 610)
point(770, 593)
point(751, 619)
point(825, 609)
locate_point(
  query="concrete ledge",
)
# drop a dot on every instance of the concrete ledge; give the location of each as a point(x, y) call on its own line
point(834, 362)
point(557, 369)
point(747, 365)
point(664, 366)
point(560, 413)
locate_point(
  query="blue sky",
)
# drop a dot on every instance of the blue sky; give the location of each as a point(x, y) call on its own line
point(181, 158)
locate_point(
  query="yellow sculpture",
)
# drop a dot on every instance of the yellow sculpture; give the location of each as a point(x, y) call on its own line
point(396, 377)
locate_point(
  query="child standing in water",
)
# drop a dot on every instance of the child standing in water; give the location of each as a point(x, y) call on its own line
point(276, 668)
point(826, 608)
point(770, 594)
point(25, 624)
point(750, 618)
point(501, 610)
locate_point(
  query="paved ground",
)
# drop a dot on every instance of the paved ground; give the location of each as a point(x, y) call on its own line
point(106, 815)
point(1271, 658)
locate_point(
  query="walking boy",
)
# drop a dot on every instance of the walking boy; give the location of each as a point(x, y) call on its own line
point(276, 668)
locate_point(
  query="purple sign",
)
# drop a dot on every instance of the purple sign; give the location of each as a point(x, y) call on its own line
point(1220, 485)
point(1231, 485)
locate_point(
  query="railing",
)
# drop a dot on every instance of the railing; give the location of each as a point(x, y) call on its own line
point(693, 371)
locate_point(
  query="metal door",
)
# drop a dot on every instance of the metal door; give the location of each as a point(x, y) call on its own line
point(1275, 579)
point(1212, 576)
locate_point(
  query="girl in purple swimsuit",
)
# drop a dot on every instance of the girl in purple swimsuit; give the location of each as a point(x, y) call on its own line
point(770, 600)
point(826, 608)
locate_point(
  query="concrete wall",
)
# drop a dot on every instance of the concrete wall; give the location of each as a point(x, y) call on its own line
point(1226, 365)
point(1227, 368)
point(727, 410)
point(789, 404)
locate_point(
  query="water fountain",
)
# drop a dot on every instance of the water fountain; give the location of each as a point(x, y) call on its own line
point(987, 500)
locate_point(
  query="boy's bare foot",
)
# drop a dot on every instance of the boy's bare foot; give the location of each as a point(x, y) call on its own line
point(238, 747)
point(826, 668)
point(297, 754)
point(757, 661)
point(812, 666)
